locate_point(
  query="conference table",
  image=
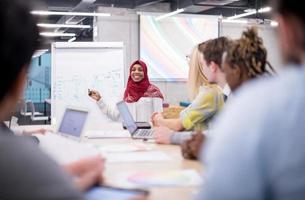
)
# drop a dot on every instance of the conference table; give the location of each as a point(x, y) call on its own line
point(176, 162)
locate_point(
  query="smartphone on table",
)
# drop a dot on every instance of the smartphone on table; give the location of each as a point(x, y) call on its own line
point(108, 192)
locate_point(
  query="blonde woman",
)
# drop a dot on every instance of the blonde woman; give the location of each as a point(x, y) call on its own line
point(196, 77)
point(207, 99)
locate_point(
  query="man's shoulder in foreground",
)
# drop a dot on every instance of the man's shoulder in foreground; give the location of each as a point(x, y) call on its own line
point(27, 173)
point(258, 142)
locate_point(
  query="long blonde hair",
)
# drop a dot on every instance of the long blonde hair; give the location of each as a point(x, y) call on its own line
point(196, 77)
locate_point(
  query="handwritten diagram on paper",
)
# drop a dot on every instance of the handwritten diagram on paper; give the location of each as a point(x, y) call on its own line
point(75, 70)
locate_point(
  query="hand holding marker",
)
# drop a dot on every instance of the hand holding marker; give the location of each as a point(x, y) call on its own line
point(94, 94)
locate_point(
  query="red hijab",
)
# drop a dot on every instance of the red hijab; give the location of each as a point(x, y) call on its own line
point(135, 90)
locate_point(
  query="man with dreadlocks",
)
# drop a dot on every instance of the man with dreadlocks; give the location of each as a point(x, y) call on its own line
point(258, 144)
point(245, 60)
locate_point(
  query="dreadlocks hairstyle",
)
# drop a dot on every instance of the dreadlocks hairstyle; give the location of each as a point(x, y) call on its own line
point(249, 52)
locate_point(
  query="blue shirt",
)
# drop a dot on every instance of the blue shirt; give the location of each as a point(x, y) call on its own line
point(258, 146)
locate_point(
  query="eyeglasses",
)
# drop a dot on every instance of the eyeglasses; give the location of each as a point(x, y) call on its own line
point(188, 58)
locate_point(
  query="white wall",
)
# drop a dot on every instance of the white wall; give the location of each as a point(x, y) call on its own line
point(123, 25)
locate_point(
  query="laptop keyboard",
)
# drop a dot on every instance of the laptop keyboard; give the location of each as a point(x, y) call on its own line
point(144, 132)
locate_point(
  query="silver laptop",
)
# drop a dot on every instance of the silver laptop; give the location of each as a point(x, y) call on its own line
point(64, 145)
point(130, 124)
point(73, 123)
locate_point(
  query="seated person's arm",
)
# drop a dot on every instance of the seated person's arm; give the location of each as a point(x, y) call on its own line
point(37, 131)
point(18, 131)
point(202, 109)
point(173, 124)
point(87, 171)
point(191, 147)
point(164, 135)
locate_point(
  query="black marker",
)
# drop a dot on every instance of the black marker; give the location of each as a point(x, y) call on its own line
point(89, 92)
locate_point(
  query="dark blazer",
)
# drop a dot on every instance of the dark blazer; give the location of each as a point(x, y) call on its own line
point(27, 173)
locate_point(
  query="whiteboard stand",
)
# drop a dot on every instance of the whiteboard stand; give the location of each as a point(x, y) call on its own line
point(79, 66)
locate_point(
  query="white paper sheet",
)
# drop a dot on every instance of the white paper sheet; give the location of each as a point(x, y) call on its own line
point(65, 150)
point(107, 134)
point(170, 178)
point(121, 148)
point(146, 156)
point(187, 177)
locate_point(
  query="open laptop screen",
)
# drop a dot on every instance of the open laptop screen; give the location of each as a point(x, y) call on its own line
point(73, 122)
point(127, 117)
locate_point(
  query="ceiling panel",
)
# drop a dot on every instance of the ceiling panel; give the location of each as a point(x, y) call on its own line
point(209, 7)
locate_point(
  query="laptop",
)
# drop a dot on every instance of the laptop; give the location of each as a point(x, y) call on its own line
point(64, 145)
point(141, 125)
point(73, 123)
point(135, 131)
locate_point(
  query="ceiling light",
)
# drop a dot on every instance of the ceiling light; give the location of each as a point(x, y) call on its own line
point(274, 23)
point(264, 10)
point(234, 21)
point(249, 10)
point(39, 52)
point(241, 15)
point(63, 26)
point(54, 34)
point(72, 39)
point(41, 12)
point(169, 14)
point(261, 10)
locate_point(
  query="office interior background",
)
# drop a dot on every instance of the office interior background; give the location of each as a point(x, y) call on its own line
point(130, 22)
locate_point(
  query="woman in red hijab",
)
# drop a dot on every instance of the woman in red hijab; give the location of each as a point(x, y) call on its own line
point(138, 86)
